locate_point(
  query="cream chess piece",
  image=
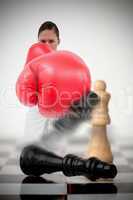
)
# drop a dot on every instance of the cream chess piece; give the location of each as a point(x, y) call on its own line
point(99, 145)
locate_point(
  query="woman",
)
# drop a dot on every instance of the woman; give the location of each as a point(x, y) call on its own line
point(50, 133)
point(49, 33)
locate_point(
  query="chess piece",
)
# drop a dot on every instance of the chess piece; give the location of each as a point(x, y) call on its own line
point(83, 107)
point(99, 145)
point(37, 161)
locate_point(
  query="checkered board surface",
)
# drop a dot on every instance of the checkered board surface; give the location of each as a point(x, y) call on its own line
point(15, 185)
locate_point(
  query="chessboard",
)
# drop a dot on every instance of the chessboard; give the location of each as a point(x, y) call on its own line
point(14, 185)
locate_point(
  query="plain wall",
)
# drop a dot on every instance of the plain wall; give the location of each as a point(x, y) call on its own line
point(100, 31)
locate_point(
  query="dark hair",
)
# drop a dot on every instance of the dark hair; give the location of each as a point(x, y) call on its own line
point(49, 25)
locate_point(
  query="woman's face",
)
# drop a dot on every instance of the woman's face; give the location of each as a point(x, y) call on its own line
point(49, 37)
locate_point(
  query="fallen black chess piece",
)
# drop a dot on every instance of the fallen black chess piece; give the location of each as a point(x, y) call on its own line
point(37, 161)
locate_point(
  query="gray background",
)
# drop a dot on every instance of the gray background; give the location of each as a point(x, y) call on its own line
point(100, 31)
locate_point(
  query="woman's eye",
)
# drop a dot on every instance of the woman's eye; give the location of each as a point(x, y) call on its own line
point(43, 41)
point(51, 41)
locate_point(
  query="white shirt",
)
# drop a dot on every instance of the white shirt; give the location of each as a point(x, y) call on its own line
point(51, 133)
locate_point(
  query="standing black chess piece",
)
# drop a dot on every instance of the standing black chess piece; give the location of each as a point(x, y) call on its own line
point(37, 161)
point(83, 107)
point(79, 111)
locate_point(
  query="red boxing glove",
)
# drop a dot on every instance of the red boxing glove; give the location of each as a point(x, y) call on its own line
point(37, 50)
point(53, 81)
